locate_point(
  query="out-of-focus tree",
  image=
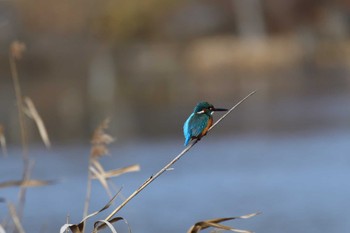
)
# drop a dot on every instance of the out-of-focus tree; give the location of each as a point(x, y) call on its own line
point(110, 19)
point(56, 17)
point(121, 20)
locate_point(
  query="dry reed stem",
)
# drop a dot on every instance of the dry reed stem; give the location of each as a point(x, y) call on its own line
point(102, 180)
point(31, 111)
point(88, 195)
point(15, 218)
point(99, 142)
point(16, 51)
point(16, 54)
point(166, 167)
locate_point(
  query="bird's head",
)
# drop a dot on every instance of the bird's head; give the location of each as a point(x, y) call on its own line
point(206, 108)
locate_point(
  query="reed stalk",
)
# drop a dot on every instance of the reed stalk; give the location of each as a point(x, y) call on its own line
point(166, 167)
point(15, 53)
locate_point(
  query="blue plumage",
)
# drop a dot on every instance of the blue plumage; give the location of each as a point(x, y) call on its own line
point(194, 126)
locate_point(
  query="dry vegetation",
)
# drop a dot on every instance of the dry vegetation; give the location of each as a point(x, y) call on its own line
point(100, 141)
point(16, 211)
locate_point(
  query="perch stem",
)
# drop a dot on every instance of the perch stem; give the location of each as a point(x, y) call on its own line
point(166, 167)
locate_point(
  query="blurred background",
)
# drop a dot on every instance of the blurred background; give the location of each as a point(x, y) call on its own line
point(145, 64)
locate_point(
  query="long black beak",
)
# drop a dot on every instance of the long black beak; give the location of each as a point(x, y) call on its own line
point(220, 109)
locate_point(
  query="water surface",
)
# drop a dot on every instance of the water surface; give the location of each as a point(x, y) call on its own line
point(299, 182)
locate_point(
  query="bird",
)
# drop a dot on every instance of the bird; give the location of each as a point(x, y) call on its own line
point(198, 123)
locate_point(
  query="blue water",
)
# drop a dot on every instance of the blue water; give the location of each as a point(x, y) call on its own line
point(299, 181)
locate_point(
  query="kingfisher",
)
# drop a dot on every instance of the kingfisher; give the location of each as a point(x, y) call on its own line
point(199, 122)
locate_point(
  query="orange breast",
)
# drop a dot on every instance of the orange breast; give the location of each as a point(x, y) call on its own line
point(210, 123)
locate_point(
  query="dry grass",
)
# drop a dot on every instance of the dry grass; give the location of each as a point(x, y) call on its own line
point(100, 140)
point(16, 51)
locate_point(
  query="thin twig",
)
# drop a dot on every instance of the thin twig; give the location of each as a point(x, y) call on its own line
point(88, 195)
point(231, 109)
point(26, 165)
point(152, 178)
point(88, 192)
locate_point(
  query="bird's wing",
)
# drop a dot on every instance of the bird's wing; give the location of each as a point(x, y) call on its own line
point(198, 124)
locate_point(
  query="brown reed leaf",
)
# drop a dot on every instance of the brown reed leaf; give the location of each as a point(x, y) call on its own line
point(78, 228)
point(32, 113)
point(120, 171)
point(15, 218)
point(25, 183)
point(3, 140)
point(215, 223)
point(105, 223)
point(17, 49)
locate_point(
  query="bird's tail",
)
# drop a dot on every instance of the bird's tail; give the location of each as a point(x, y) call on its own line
point(187, 141)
